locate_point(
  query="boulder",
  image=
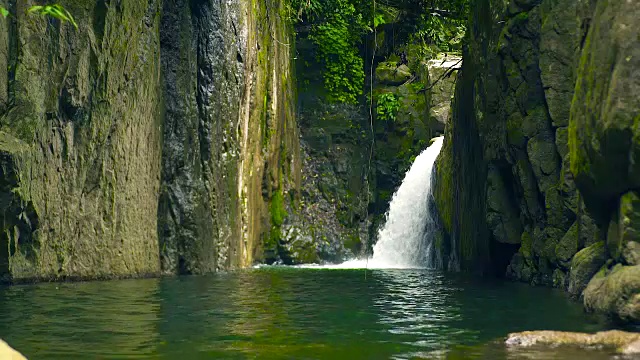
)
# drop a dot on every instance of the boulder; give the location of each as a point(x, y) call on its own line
point(584, 265)
point(389, 73)
point(621, 342)
point(615, 292)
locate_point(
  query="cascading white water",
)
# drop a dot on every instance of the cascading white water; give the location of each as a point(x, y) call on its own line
point(406, 237)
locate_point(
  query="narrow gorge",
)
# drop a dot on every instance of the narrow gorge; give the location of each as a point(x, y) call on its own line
point(347, 178)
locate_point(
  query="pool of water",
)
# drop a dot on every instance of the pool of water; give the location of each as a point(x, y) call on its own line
point(284, 313)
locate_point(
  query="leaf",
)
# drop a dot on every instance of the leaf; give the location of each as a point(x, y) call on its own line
point(35, 8)
point(56, 11)
point(4, 12)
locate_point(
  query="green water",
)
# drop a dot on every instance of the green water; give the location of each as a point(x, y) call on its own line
point(282, 313)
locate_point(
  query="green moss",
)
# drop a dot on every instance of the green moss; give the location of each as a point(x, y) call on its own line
point(527, 245)
point(352, 242)
point(521, 17)
point(278, 211)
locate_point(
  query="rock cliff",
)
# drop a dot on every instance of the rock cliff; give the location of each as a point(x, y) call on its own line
point(152, 139)
point(538, 170)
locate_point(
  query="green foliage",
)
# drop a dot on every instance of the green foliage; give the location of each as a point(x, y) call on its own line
point(387, 107)
point(446, 34)
point(443, 23)
point(434, 22)
point(56, 11)
point(337, 29)
point(378, 19)
point(343, 72)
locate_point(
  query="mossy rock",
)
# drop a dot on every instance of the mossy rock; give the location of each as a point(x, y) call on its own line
point(502, 213)
point(621, 342)
point(559, 279)
point(604, 136)
point(623, 237)
point(568, 246)
point(389, 73)
point(584, 265)
point(615, 292)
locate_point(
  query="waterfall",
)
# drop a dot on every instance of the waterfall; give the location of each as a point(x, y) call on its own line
point(407, 235)
point(406, 239)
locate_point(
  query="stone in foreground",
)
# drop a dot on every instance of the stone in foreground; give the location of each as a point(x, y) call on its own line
point(8, 353)
point(622, 342)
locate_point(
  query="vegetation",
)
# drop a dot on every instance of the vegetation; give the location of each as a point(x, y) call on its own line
point(55, 10)
point(339, 28)
point(436, 22)
point(387, 107)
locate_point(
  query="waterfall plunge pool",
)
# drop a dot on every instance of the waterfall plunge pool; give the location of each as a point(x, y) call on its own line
point(286, 313)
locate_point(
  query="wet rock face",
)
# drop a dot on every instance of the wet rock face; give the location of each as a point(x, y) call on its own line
point(231, 152)
point(153, 139)
point(442, 80)
point(542, 119)
point(332, 222)
point(501, 114)
point(201, 100)
point(603, 139)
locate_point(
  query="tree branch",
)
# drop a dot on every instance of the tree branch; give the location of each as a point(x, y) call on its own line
point(445, 74)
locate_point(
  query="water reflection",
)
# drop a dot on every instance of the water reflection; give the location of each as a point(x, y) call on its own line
point(80, 320)
point(417, 307)
point(281, 313)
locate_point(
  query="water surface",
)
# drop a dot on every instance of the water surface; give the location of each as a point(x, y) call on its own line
point(284, 313)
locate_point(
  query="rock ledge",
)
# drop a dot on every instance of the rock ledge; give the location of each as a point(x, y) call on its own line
point(622, 342)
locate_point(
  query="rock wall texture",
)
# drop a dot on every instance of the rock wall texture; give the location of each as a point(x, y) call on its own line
point(354, 159)
point(230, 137)
point(152, 139)
point(537, 178)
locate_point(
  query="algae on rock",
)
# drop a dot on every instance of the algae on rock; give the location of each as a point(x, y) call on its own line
point(152, 139)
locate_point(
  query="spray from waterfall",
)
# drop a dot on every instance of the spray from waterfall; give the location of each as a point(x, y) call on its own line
point(406, 239)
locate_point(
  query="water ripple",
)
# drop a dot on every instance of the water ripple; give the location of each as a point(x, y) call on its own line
point(279, 313)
